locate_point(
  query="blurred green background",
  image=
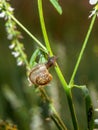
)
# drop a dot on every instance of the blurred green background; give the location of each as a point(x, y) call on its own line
point(21, 103)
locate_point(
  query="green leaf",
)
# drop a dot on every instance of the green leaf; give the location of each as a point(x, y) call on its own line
point(56, 6)
point(88, 105)
point(33, 57)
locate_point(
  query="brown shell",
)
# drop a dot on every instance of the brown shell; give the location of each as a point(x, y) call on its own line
point(40, 75)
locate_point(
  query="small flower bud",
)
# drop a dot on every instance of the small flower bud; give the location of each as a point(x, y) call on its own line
point(19, 63)
point(11, 46)
point(2, 15)
point(92, 2)
point(15, 54)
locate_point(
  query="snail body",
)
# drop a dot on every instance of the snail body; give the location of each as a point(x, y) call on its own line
point(40, 75)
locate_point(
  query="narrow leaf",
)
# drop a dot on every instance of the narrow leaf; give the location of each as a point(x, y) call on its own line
point(56, 6)
point(88, 105)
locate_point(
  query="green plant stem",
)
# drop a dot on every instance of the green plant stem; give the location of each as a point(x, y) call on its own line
point(72, 110)
point(69, 95)
point(27, 31)
point(82, 50)
point(43, 27)
point(23, 56)
point(58, 71)
point(53, 114)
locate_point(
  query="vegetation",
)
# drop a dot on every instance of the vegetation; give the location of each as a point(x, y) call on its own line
point(23, 110)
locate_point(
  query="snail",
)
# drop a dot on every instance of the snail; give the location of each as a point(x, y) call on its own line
point(40, 75)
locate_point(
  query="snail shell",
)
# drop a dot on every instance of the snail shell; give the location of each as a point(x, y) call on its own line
point(40, 75)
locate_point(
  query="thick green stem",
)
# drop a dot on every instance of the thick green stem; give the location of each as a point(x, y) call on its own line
point(54, 116)
point(43, 27)
point(72, 110)
point(58, 71)
point(82, 50)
